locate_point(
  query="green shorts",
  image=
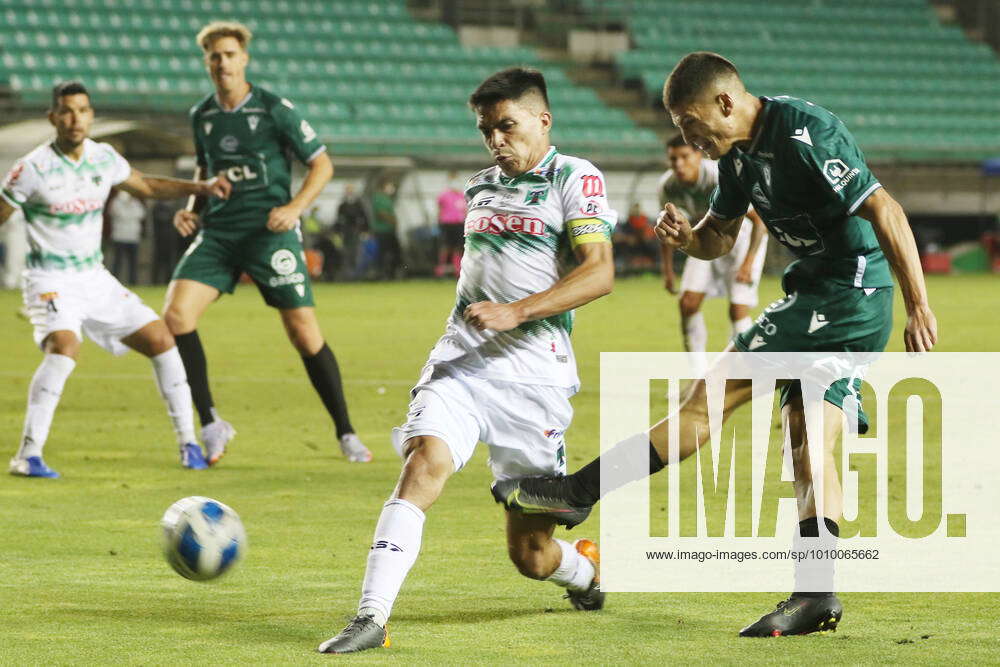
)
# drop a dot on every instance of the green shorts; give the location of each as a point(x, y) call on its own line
point(836, 319)
point(275, 262)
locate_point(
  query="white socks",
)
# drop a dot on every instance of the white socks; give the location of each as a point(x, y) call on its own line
point(575, 570)
point(695, 341)
point(172, 382)
point(43, 397)
point(741, 325)
point(394, 551)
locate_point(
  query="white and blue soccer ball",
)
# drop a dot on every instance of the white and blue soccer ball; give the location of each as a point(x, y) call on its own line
point(202, 538)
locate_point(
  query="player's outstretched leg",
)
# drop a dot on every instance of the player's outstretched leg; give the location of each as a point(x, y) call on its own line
point(155, 342)
point(538, 555)
point(324, 373)
point(398, 535)
point(61, 348)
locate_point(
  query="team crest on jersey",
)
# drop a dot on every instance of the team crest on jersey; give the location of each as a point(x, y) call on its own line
point(97, 179)
point(592, 208)
point(207, 127)
point(283, 262)
point(14, 174)
point(229, 143)
point(536, 197)
point(252, 121)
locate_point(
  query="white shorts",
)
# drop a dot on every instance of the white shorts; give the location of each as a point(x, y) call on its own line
point(522, 424)
point(717, 277)
point(89, 302)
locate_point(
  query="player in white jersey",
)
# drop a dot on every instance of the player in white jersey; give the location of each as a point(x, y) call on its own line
point(61, 188)
point(689, 184)
point(504, 371)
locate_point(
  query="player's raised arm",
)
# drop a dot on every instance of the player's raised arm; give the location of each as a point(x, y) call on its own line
point(896, 239)
point(160, 187)
point(710, 238)
point(592, 278)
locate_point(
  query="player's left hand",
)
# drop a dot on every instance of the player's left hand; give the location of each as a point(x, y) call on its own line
point(217, 187)
point(920, 334)
point(744, 274)
point(496, 316)
point(283, 218)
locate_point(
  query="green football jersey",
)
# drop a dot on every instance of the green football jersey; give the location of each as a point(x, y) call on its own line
point(805, 175)
point(252, 145)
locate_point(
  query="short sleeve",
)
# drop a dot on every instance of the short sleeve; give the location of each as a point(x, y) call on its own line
point(296, 132)
point(837, 165)
point(728, 201)
point(120, 168)
point(20, 183)
point(587, 214)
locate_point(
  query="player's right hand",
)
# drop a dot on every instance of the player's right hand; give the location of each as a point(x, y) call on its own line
point(672, 228)
point(186, 222)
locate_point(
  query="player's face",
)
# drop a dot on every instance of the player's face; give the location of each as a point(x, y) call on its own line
point(226, 62)
point(516, 133)
point(706, 125)
point(72, 119)
point(685, 161)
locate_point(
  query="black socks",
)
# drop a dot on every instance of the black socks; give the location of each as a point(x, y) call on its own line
point(196, 367)
point(325, 377)
point(586, 482)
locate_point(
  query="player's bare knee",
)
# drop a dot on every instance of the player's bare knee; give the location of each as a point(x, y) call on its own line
point(177, 321)
point(689, 305)
point(425, 464)
point(63, 342)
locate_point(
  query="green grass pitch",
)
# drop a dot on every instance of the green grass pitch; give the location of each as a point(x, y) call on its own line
point(82, 579)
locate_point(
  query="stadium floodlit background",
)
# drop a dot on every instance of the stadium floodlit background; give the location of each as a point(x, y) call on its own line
point(385, 83)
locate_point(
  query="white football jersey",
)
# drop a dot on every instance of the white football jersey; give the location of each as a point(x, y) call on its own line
point(694, 200)
point(63, 202)
point(519, 238)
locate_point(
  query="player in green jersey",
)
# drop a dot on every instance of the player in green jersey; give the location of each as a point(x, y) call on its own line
point(249, 134)
point(807, 179)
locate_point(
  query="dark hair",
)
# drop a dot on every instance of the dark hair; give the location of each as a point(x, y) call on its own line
point(67, 88)
point(692, 74)
point(509, 84)
point(676, 141)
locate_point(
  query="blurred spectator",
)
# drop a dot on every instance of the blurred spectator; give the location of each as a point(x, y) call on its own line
point(127, 214)
point(384, 229)
point(322, 238)
point(636, 246)
point(451, 225)
point(352, 226)
point(168, 244)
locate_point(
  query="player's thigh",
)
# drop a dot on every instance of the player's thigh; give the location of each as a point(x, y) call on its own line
point(745, 294)
point(208, 268)
point(55, 306)
point(63, 342)
point(524, 427)
point(114, 313)
point(441, 407)
point(794, 420)
point(277, 264)
point(151, 340)
point(428, 465)
point(696, 276)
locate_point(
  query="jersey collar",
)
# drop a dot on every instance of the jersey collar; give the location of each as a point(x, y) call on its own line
point(534, 171)
point(239, 106)
point(763, 123)
point(87, 142)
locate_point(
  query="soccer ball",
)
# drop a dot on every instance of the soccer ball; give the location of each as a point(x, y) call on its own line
point(202, 538)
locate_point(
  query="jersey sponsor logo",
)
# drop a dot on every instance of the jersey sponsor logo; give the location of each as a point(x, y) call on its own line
point(817, 322)
point(592, 185)
point(757, 193)
point(838, 173)
point(592, 208)
point(283, 262)
point(229, 143)
point(479, 203)
point(241, 172)
point(308, 133)
point(252, 121)
point(802, 134)
point(77, 206)
point(14, 174)
point(789, 240)
point(292, 279)
point(501, 223)
point(207, 127)
point(536, 197)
